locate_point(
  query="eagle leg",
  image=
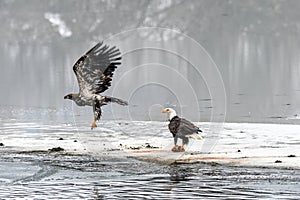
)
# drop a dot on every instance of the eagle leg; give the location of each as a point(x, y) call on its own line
point(97, 112)
point(181, 148)
point(174, 148)
point(94, 125)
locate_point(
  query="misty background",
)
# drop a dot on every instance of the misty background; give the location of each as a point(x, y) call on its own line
point(247, 70)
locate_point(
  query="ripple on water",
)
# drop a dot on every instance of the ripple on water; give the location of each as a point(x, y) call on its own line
point(84, 177)
point(56, 176)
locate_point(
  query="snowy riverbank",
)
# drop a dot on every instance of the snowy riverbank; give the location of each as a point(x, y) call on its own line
point(237, 144)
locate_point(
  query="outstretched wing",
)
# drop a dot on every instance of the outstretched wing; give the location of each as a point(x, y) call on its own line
point(94, 70)
point(186, 127)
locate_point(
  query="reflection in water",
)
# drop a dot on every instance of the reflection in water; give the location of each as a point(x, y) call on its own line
point(42, 175)
point(55, 176)
point(40, 83)
point(254, 44)
point(177, 174)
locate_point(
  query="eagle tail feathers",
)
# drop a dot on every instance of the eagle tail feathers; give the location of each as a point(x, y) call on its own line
point(116, 100)
point(196, 136)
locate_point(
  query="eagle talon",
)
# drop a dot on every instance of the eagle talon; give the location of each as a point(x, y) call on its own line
point(175, 148)
point(181, 148)
point(93, 125)
point(94, 71)
point(181, 129)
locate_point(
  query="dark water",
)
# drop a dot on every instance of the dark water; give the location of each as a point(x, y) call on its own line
point(25, 171)
point(53, 176)
point(254, 46)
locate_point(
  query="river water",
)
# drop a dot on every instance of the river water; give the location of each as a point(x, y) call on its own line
point(44, 176)
point(28, 169)
point(229, 60)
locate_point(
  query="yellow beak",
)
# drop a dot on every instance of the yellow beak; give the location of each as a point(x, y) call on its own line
point(164, 111)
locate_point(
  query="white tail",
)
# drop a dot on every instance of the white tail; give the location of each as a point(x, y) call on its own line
point(196, 136)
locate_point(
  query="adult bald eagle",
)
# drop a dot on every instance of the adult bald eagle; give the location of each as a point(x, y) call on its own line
point(181, 128)
point(94, 71)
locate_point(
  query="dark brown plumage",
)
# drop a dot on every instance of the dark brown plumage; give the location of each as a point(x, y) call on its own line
point(94, 71)
point(181, 128)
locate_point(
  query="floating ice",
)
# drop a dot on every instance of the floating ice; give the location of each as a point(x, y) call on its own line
point(238, 144)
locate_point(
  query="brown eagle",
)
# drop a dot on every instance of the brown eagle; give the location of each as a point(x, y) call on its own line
point(181, 128)
point(94, 71)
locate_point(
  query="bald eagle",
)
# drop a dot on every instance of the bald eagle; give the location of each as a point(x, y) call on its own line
point(181, 128)
point(94, 71)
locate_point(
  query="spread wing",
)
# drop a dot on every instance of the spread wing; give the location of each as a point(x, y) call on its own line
point(186, 127)
point(94, 70)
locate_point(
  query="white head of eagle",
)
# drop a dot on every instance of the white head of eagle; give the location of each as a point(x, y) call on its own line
point(170, 111)
point(181, 128)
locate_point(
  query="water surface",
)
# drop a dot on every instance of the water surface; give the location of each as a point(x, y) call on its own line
point(29, 170)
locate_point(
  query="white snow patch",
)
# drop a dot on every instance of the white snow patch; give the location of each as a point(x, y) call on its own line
point(238, 144)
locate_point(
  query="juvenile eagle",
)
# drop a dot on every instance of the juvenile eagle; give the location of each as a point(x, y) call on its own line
point(181, 128)
point(94, 71)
